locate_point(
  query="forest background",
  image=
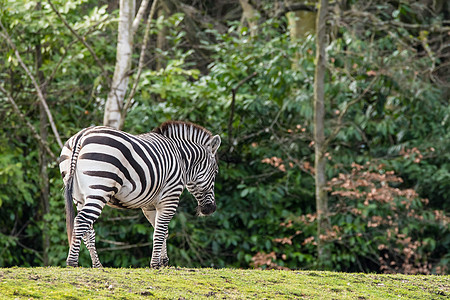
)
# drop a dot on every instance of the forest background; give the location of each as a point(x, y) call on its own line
point(245, 70)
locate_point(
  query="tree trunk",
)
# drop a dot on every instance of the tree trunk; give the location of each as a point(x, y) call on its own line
point(119, 85)
point(323, 223)
point(249, 14)
point(43, 174)
point(301, 23)
point(161, 40)
point(43, 160)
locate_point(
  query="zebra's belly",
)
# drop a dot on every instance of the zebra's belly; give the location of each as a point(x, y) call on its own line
point(123, 200)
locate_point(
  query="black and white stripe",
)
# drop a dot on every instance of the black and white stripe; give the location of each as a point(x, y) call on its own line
point(101, 165)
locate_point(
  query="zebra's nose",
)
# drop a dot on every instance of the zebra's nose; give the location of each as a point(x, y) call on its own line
point(207, 209)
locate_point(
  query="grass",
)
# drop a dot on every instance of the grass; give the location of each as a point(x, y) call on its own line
point(181, 283)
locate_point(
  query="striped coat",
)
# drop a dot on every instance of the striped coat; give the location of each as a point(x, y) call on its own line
point(103, 166)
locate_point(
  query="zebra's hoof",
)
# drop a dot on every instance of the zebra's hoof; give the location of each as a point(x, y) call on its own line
point(155, 265)
point(165, 262)
point(72, 264)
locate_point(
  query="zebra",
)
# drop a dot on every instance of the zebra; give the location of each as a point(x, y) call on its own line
point(101, 165)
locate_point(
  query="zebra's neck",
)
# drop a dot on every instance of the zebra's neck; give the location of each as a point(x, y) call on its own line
point(192, 156)
point(185, 131)
point(192, 141)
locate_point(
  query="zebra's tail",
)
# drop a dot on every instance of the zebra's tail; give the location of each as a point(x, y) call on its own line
point(70, 211)
point(68, 188)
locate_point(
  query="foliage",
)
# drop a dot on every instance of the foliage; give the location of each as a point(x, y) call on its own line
point(379, 97)
point(12, 175)
point(374, 224)
point(71, 86)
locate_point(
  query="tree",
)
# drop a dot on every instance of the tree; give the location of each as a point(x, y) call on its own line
point(383, 62)
point(43, 156)
point(36, 53)
point(302, 20)
point(249, 14)
point(320, 147)
point(128, 24)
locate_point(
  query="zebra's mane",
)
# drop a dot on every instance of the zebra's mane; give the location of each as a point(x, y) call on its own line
point(184, 131)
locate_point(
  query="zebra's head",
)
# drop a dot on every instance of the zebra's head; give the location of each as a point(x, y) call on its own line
point(202, 182)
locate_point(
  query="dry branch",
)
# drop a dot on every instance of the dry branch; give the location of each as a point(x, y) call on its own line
point(81, 39)
point(200, 17)
point(140, 14)
point(124, 247)
point(23, 118)
point(41, 97)
point(294, 7)
point(339, 126)
point(233, 100)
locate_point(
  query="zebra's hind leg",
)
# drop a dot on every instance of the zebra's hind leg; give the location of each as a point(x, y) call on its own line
point(89, 241)
point(81, 226)
point(83, 223)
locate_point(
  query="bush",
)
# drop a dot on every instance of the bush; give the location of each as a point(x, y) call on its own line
point(375, 225)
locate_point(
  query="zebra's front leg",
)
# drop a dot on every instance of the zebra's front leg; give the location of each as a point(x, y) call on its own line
point(89, 241)
point(164, 256)
point(150, 214)
point(163, 218)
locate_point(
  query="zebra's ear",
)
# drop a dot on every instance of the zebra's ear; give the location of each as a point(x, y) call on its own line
point(215, 143)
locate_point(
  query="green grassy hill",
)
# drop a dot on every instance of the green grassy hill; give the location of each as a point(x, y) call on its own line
point(180, 283)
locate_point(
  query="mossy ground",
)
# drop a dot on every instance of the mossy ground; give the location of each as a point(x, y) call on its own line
point(181, 283)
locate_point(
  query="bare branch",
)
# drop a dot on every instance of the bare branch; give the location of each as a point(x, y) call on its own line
point(199, 16)
point(113, 242)
point(6, 36)
point(284, 143)
point(37, 253)
point(123, 218)
point(375, 21)
point(123, 247)
point(338, 128)
point(233, 100)
point(32, 129)
point(140, 14)
point(244, 81)
point(140, 65)
point(55, 69)
point(81, 39)
point(285, 8)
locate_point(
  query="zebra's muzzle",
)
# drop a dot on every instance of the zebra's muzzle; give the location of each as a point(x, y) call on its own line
point(207, 209)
